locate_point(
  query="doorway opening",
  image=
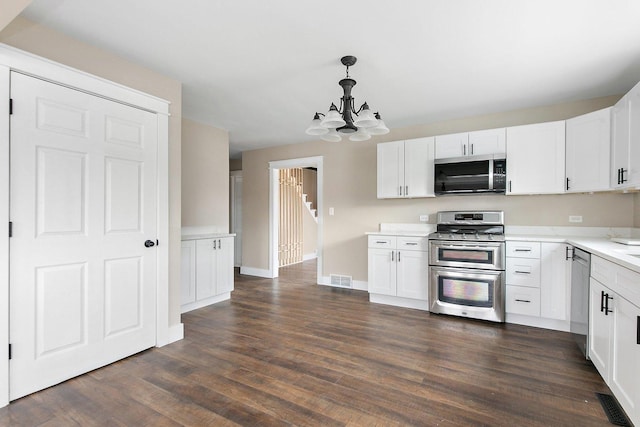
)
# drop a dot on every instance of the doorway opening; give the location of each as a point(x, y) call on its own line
point(289, 211)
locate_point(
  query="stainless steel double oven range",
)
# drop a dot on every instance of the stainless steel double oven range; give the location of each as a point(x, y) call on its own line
point(466, 265)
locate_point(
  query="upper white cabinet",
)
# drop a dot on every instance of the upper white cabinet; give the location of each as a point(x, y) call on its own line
point(536, 158)
point(588, 152)
point(625, 142)
point(405, 169)
point(477, 143)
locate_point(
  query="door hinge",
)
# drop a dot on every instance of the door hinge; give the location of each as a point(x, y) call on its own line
point(9, 351)
point(10, 106)
point(10, 229)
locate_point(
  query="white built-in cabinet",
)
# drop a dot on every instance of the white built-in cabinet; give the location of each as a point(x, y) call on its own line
point(614, 331)
point(476, 143)
point(398, 267)
point(625, 141)
point(405, 169)
point(536, 158)
point(588, 161)
point(538, 283)
point(207, 271)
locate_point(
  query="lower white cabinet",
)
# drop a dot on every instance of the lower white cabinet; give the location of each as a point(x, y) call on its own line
point(614, 331)
point(398, 267)
point(538, 284)
point(207, 271)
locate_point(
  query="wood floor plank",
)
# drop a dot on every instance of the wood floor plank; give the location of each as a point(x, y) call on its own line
point(287, 352)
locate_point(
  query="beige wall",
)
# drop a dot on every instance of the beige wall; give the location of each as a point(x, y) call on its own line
point(9, 9)
point(636, 210)
point(350, 188)
point(56, 46)
point(205, 176)
point(235, 164)
point(309, 232)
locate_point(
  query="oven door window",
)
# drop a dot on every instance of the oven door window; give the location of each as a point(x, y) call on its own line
point(470, 292)
point(466, 255)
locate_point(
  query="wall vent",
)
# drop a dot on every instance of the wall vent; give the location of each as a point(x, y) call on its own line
point(341, 281)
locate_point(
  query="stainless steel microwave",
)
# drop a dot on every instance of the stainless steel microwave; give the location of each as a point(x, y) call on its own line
point(470, 175)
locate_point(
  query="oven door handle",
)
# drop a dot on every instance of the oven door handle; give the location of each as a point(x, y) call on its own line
point(469, 247)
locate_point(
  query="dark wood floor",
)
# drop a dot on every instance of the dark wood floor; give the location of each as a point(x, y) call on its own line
point(288, 352)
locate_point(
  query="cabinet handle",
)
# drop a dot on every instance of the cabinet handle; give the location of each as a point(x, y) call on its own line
point(392, 256)
point(464, 150)
point(622, 178)
point(214, 244)
point(618, 175)
point(219, 244)
point(606, 307)
point(601, 301)
point(638, 331)
point(522, 272)
point(380, 241)
point(401, 190)
point(523, 300)
point(406, 190)
point(523, 250)
point(509, 186)
point(567, 184)
point(568, 250)
point(411, 244)
point(472, 149)
point(398, 256)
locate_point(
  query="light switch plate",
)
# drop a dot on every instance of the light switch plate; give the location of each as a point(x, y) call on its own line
point(575, 218)
point(424, 218)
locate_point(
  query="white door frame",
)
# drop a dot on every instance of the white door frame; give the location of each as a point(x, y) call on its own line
point(12, 59)
point(274, 208)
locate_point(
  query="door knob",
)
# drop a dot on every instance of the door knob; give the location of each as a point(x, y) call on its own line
point(149, 243)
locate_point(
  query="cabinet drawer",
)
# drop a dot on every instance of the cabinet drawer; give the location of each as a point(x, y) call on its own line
point(413, 243)
point(602, 270)
point(523, 249)
point(523, 300)
point(382, 242)
point(523, 272)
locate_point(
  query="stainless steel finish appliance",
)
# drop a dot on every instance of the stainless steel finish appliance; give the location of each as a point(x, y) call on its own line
point(579, 326)
point(466, 265)
point(469, 175)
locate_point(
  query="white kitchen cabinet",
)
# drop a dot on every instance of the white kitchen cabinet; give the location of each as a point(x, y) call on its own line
point(405, 169)
point(625, 142)
point(476, 143)
point(555, 281)
point(538, 283)
point(588, 146)
point(188, 272)
point(600, 329)
point(614, 331)
point(398, 267)
point(536, 158)
point(207, 271)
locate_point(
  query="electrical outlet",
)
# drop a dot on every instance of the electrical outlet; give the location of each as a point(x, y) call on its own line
point(575, 218)
point(424, 218)
point(331, 211)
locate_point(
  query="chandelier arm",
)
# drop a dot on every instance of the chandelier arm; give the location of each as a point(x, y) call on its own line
point(340, 110)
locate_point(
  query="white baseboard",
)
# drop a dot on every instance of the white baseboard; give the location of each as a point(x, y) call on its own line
point(399, 301)
point(307, 257)
point(258, 272)
point(205, 302)
point(176, 333)
point(538, 322)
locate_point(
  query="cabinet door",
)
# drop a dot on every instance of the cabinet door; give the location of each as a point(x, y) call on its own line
point(634, 136)
point(619, 140)
point(224, 265)
point(382, 271)
point(625, 357)
point(412, 274)
point(205, 268)
point(588, 152)
point(600, 329)
point(453, 145)
point(188, 272)
point(536, 158)
point(391, 170)
point(418, 167)
point(555, 281)
point(490, 141)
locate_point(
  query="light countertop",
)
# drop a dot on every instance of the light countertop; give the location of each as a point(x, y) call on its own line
point(206, 236)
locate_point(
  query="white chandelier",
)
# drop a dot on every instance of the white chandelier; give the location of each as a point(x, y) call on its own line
point(340, 121)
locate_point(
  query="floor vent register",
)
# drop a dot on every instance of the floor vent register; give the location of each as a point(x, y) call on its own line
point(613, 410)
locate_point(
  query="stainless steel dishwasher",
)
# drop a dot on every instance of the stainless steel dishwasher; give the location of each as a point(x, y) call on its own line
point(580, 271)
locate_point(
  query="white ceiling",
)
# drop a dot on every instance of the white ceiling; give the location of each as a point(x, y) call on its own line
point(260, 69)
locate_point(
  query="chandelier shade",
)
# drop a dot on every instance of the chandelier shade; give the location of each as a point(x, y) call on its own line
point(359, 124)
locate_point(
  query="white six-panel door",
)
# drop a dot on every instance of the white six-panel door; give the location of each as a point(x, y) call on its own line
point(83, 202)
